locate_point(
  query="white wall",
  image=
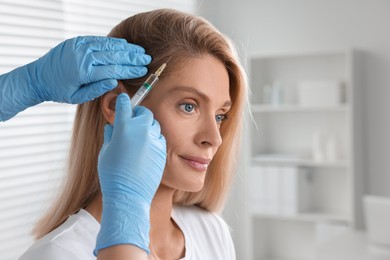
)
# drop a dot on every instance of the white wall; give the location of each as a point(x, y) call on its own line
point(259, 26)
point(284, 25)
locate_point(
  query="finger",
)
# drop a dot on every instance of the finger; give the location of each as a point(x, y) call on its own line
point(118, 58)
point(144, 114)
point(163, 143)
point(123, 110)
point(83, 42)
point(107, 133)
point(156, 128)
point(93, 90)
point(98, 73)
point(109, 44)
point(93, 38)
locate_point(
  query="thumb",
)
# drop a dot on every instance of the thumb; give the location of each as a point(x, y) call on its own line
point(107, 133)
point(123, 110)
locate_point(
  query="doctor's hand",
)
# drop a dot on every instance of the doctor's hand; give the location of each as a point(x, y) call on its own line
point(131, 164)
point(77, 70)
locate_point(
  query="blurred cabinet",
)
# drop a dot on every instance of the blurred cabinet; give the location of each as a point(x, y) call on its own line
point(305, 146)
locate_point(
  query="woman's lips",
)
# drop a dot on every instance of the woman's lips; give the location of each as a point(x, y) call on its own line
point(197, 163)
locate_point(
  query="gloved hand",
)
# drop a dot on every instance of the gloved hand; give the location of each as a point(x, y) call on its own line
point(131, 164)
point(77, 70)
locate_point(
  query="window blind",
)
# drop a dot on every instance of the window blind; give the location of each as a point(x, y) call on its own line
point(34, 144)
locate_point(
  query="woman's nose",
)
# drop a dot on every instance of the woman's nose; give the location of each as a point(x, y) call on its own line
point(209, 134)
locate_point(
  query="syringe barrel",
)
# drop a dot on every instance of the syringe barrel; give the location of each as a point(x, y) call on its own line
point(144, 90)
point(151, 80)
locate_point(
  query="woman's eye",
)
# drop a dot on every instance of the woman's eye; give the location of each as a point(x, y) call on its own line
point(220, 118)
point(188, 107)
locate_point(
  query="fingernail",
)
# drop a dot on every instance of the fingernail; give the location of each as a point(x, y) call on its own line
point(123, 98)
point(148, 58)
point(144, 70)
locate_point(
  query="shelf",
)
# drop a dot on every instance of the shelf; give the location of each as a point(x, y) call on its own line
point(295, 161)
point(292, 196)
point(296, 108)
point(278, 258)
point(306, 217)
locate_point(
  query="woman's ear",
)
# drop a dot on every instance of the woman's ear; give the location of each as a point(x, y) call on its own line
point(108, 102)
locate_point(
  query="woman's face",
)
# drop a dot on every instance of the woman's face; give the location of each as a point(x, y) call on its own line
point(190, 105)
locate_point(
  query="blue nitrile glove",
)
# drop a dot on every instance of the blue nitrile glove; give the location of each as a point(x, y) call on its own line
point(131, 164)
point(77, 70)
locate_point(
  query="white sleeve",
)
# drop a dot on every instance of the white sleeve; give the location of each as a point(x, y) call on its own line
point(49, 251)
point(227, 240)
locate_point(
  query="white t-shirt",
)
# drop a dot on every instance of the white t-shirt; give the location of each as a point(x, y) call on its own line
point(206, 237)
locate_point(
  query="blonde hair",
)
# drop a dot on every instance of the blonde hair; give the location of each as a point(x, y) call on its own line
point(165, 34)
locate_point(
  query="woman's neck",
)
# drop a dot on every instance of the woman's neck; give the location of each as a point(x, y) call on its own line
point(166, 238)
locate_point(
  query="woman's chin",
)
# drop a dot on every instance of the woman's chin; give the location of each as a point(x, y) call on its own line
point(187, 187)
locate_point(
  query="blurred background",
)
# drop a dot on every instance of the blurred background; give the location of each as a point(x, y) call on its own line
point(313, 179)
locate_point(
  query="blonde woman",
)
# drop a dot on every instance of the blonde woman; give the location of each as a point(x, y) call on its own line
point(157, 202)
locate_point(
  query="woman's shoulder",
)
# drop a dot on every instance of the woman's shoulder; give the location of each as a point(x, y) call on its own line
point(206, 233)
point(197, 212)
point(65, 241)
point(199, 218)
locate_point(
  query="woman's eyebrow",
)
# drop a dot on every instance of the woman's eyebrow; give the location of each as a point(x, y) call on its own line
point(197, 92)
point(191, 90)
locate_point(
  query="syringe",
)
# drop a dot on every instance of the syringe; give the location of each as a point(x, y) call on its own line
point(146, 87)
